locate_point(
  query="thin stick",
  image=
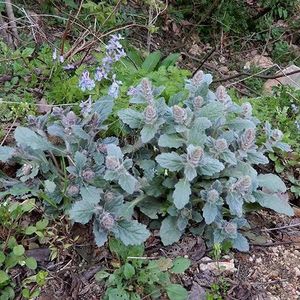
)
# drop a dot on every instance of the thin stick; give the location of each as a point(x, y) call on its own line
point(282, 227)
point(11, 17)
point(9, 131)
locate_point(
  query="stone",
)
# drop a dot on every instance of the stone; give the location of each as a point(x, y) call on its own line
point(291, 80)
point(218, 267)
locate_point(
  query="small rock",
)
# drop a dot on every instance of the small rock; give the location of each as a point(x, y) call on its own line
point(259, 260)
point(219, 267)
point(297, 271)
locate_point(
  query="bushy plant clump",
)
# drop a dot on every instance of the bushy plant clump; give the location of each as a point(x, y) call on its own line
point(188, 163)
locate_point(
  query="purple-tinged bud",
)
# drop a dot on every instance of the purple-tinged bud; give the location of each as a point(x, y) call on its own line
point(248, 139)
point(72, 190)
point(213, 196)
point(70, 119)
point(107, 221)
point(57, 111)
point(179, 114)
point(102, 148)
point(194, 156)
point(88, 175)
point(150, 115)
point(112, 163)
point(277, 135)
point(230, 228)
point(26, 169)
point(197, 103)
point(222, 95)
point(243, 185)
point(146, 89)
point(198, 78)
point(247, 109)
point(221, 145)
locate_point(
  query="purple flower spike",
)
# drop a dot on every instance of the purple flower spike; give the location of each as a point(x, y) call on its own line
point(85, 82)
point(114, 89)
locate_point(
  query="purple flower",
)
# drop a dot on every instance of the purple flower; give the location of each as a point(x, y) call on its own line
point(101, 73)
point(114, 89)
point(61, 59)
point(85, 82)
point(86, 106)
point(69, 67)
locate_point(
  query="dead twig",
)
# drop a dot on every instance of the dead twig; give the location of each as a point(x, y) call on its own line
point(12, 20)
point(282, 227)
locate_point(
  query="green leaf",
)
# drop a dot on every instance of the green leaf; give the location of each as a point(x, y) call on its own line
point(80, 160)
point(2, 257)
point(240, 243)
point(100, 234)
point(117, 294)
point(103, 107)
point(131, 232)
point(122, 251)
point(90, 194)
point(210, 212)
point(210, 166)
point(235, 203)
point(272, 201)
point(176, 292)
point(148, 132)
point(171, 161)
point(42, 224)
point(4, 278)
point(131, 117)
point(128, 271)
point(31, 263)
point(181, 194)
point(82, 211)
point(151, 61)
point(18, 250)
point(271, 182)
point(180, 265)
point(169, 233)
point(128, 183)
point(212, 111)
point(170, 60)
point(99, 276)
point(256, 157)
point(50, 186)
point(26, 137)
point(6, 153)
point(170, 141)
point(30, 230)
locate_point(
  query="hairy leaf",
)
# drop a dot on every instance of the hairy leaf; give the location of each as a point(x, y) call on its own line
point(6, 153)
point(271, 182)
point(171, 161)
point(169, 233)
point(131, 117)
point(82, 211)
point(181, 194)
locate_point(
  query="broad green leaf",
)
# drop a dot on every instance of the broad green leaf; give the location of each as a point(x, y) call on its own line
point(181, 194)
point(2, 257)
point(240, 243)
point(90, 195)
point(170, 60)
point(210, 212)
point(42, 224)
point(128, 183)
point(272, 201)
point(151, 61)
point(103, 107)
point(26, 137)
point(171, 161)
point(4, 278)
point(131, 117)
point(271, 182)
point(256, 157)
point(212, 111)
point(235, 203)
point(99, 276)
point(240, 124)
point(210, 166)
point(31, 263)
point(100, 235)
point(180, 265)
point(176, 292)
point(6, 153)
point(82, 211)
point(118, 294)
point(169, 233)
point(80, 160)
point(50, 186)
point(122, 251)
point(190, 172)
point(18, 250)
point(228, 157)
point(170, 141)
point(148, 132)
point(131, 232)
point(128, 271)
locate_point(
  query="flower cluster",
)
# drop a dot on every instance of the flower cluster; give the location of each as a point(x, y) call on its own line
point(114, 52)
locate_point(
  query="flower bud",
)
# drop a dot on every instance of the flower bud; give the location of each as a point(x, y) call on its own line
point(247, 109)
point(109, 196)
point(88, 175)
point(179, 114)
point(222, 95)
point(57, 111)
point(198, 77)
point(230, 228)
point(70, 119)
point(277, 134)
point(243, 185)
point(197, 103)
point(102, 148)
point(146, 90)
point(248, 139)
point(221, 145)
point(72, 190)
point(26, 169)
point(213, 196)
point(112, 163)
point(150, 115)
point(107, 221)
point(194, 156)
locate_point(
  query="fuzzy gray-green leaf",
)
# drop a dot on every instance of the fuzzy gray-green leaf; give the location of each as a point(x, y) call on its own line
point(181, 194)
